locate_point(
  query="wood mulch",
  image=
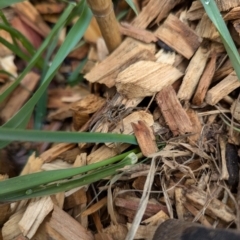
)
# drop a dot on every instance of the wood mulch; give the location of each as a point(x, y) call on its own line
point(170, 81)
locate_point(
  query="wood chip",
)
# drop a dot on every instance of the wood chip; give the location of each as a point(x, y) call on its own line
point(173, 113)
point(145, 78)
point(205, 81)
point(222, 89)
point(126, 54)
point(31, 16)
point(137, 33)
point(145, 138)
point(187, 40)
point(69, 228)
point(34, 215)
point(193, 74)
point(20, 95)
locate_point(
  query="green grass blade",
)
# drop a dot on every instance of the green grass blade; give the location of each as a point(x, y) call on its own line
point(72, 38)
point(25, 186)
point(25, 42)
point(14, 49)
point(20, 119)
point(61, 21)
point(41, 106)
point(9, 134)
point(216, 17)
point(7, 3)
point(75, 76)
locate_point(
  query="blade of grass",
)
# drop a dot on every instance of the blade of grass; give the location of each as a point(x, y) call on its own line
point(74, 78)
point(15, 49)
point(38, 180)
point(41, 106)
point(25, 42)
point(216, 17)
point(7, 3)
point(61, 21)
point(9, 134)
point(74, 35)
point(71, 40)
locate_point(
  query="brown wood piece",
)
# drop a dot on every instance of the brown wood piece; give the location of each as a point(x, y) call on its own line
point(222, 89)
point(4, 51)
point(34, 215)
point(146, 80)
point(49, 7)
point(206, 29)
point(55, 151)
point(69, 228)
point(196, 11)
point(102, 236)
point(173, 112)
point(137, 33)
point(5, 213)
point(145, 138)
point(77, 198)
point(52, 233)
point(118, 231)
point(10, 229)
point(28, 32)
point(131, 203)
point(129, 52)
point(193, 73)
point(205, 81)
point(224, 5)
point(151, 12)
point(232, 14)
point(187, 40)
point(195, 212)
point(29, 14)
point(194, 118)
point(20, 95)
point(95, 207)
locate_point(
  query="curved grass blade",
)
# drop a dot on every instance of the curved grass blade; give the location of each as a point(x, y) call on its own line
point(15, 49)
point(36, 182)
point(216, 17)
point(25, 42)
point(19, 119)
point(75, 34)
point(61, 21)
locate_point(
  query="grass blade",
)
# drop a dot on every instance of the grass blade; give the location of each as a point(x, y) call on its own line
point(7, 3)
point(216, 17)
point(25, 186)
point(9, 134)
point(61, 21)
